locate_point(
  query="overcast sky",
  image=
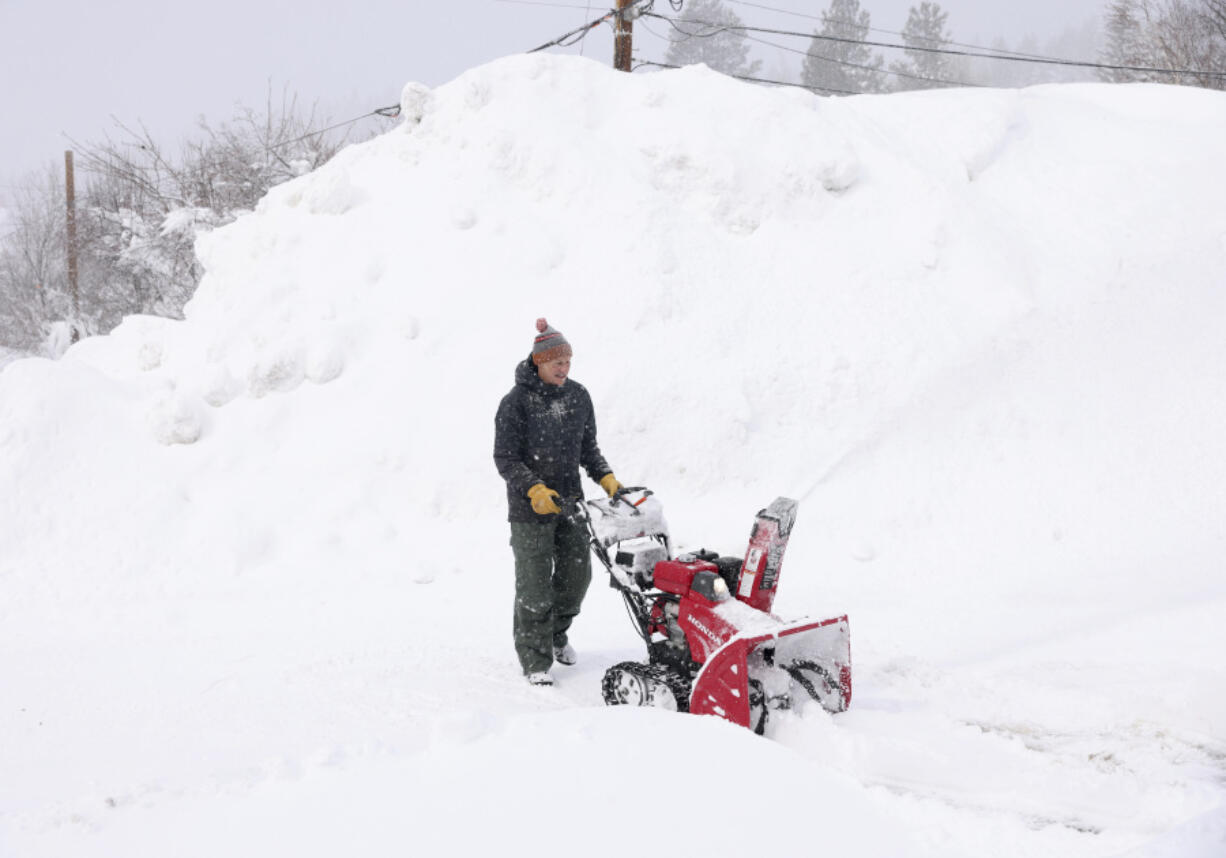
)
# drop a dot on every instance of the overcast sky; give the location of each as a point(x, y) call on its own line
point(68, 67)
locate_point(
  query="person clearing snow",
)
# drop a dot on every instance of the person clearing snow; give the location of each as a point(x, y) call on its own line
point(544, 430)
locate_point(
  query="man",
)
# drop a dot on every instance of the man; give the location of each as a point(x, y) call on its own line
point(545, 429)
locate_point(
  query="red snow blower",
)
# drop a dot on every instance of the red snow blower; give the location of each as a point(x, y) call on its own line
point(713, 646)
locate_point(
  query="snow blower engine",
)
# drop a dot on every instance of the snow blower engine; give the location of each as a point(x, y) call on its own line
point(713, 645)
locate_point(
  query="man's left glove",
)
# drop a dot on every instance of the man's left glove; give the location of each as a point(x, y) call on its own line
point(610, 485)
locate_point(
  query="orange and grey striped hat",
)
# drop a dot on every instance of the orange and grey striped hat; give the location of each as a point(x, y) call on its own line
point(549, 344)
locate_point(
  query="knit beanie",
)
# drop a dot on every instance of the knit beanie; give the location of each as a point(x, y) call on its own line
point(549, 344)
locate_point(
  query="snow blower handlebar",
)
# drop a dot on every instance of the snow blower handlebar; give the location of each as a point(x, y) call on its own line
point(576, 511)
point(619, 524)
point(620, 519)
point(621, 496)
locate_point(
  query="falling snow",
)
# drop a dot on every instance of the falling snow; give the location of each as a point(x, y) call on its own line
point(257, 588)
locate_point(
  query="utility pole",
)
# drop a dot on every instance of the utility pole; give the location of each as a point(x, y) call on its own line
point(623, 36)
point(70, 195)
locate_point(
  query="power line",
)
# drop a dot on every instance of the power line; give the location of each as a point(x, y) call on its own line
point(575, 35)
point(389, 112)
point(580, 33)
point(543, 3)
point(947, 51)
point(848, 63)
point(631, 12)
point(586, 11)
point(393, 111)
point(824, 18)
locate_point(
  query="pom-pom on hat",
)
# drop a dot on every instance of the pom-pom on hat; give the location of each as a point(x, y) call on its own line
point(549, 344)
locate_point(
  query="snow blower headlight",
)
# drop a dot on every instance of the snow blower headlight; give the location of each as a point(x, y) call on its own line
point(711, 587)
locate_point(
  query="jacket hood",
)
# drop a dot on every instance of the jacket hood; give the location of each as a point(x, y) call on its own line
point(526, 376)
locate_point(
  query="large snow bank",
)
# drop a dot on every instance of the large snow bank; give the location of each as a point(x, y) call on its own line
point(7, 356)
point(978, 334)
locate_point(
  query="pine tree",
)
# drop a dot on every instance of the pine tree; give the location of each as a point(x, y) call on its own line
point(1125, 41)
point(701, 36)
point(838, 66)
point(922, 69)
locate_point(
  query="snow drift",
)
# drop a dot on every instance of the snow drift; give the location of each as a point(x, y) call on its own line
point(255, 564)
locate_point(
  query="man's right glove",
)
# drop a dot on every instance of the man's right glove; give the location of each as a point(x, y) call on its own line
point(543, 499)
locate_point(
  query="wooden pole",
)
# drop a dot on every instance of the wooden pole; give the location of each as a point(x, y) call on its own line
point(70, 195)
point(623, 40)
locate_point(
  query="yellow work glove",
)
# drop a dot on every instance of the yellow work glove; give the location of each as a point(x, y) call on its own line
point(543, 499)
point(610, 484)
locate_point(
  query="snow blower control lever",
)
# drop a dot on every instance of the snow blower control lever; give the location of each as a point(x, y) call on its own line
point(713, 645)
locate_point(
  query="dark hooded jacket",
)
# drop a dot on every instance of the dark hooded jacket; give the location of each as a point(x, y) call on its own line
point(542, 434)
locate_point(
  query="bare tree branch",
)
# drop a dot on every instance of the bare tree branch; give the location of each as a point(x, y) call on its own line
point(141, 210)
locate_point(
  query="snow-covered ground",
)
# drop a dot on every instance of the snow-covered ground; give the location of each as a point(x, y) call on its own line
point(7, 356)
point(256, 583)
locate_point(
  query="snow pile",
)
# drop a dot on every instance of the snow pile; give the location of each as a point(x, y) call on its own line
point(257, 588)
point(7, 356)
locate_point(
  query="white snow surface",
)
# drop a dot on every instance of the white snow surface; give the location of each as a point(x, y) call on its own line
point(7, 356)
point(256, 584)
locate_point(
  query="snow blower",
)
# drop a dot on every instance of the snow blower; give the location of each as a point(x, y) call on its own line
point(713, 645)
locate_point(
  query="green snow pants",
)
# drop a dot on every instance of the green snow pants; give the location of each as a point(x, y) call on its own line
point(553, 568)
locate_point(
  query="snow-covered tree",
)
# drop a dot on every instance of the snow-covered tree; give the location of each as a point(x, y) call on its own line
point(139, 210)
point(1215, 11)
point(1166, 34)
point(701, 34)
point(1126, 43)
point(923, 69)
point(33, 268)
point(1187, 39)
point(843, 66)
